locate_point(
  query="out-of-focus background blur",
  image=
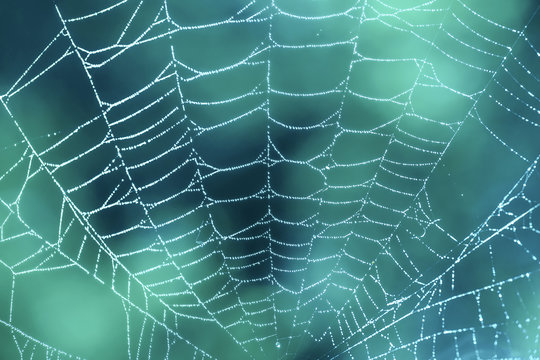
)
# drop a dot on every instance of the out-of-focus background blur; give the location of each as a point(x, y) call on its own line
point(269, 179)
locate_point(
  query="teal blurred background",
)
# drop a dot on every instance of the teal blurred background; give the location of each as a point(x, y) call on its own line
point(269, 179)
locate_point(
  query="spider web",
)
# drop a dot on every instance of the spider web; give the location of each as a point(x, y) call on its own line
point(277, 179)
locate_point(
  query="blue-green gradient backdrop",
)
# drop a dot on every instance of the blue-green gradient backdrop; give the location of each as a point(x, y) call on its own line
point(269, 179)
